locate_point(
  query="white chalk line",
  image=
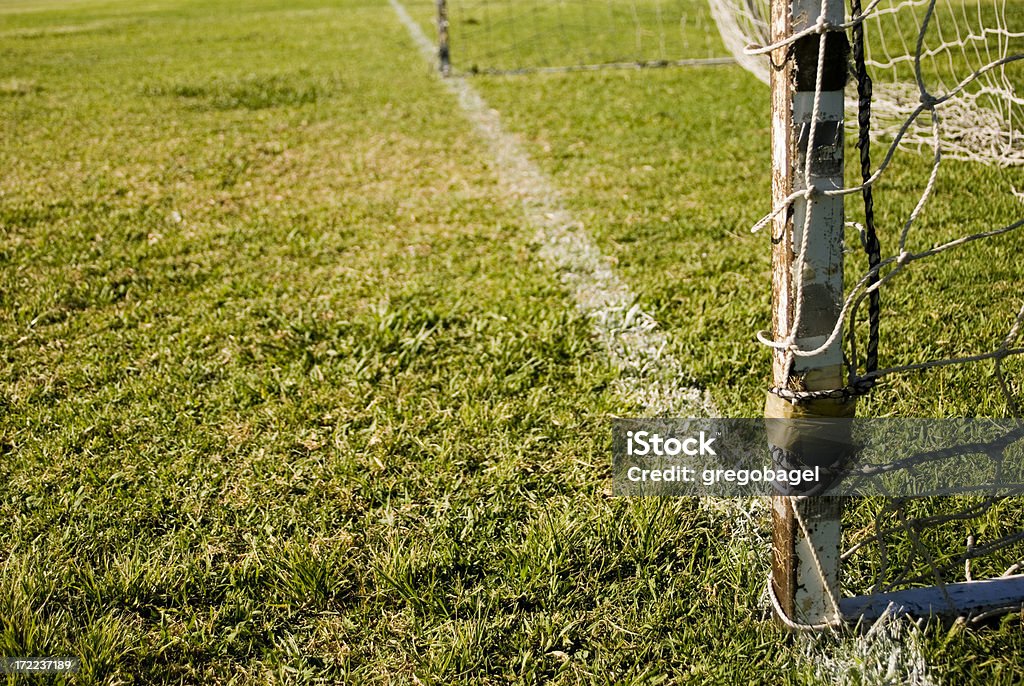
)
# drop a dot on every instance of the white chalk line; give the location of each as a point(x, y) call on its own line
point(650, 377)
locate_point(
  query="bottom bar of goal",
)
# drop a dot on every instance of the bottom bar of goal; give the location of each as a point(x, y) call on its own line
point(971, 599)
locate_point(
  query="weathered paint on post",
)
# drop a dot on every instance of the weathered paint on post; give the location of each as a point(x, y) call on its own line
point(805, 154)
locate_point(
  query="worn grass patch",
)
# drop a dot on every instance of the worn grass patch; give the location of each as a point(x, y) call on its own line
point(249, 92)
point(286, 396)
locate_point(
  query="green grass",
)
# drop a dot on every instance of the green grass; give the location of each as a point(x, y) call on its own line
point(287, 397)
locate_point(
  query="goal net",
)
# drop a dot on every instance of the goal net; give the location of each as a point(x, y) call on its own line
point(925, 317)
point(959, 50)
point(524, 36)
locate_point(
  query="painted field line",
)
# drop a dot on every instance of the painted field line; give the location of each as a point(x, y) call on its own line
point(649, 376)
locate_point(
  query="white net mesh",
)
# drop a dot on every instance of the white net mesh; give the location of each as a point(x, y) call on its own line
point(523, 36)
point(957, 52)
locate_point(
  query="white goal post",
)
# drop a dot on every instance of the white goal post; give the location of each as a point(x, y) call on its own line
point(810, 45)
point(807, 285)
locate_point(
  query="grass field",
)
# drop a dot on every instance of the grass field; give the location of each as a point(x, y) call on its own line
point(287, 396)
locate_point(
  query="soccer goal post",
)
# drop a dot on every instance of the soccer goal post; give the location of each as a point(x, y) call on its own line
point(807, 95)
point(444, 59)
point(812, 49)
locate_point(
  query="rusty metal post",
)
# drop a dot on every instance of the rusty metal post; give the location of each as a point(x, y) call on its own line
point(443, 50)
point(807, 284)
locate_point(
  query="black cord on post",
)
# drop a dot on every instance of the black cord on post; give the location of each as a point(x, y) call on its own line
point(870, 237)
